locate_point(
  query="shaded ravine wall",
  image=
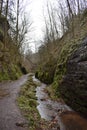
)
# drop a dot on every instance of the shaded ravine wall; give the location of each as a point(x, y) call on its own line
point(73, 87)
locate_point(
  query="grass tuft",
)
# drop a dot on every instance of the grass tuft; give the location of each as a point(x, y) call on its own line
point(27, 102)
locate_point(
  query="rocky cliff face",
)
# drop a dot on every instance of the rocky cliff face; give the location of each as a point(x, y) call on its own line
point(69, 73)
point(74, 84)
point(9, 68)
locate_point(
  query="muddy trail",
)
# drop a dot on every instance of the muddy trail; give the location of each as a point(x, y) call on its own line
point(58, 112)
point(10, 116)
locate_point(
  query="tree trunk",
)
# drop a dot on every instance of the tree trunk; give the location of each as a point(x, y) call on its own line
point(1, 6)
point(69, 8)
point(17, 26)
point(7, 2)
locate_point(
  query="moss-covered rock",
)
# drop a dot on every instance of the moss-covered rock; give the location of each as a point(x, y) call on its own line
point(68, 44)
point(73, 87)
point(9, 72)
point(69, 79)
point(46, 72)
point(9, 68)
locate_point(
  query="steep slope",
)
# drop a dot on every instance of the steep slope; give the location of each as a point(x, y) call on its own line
point(70, 77)
point(9, 57)
point(73, 87)
point(70, 80)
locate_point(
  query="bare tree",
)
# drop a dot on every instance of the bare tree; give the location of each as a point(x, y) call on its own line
point(51, 33)
point(69, 8)
point(1, 6)
point(17, 22)
point(7, 5)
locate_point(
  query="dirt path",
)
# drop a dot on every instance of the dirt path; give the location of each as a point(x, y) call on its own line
point(10, 114)
point(11, 118)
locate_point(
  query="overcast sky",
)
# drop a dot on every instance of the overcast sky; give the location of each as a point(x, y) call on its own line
point(35, 8)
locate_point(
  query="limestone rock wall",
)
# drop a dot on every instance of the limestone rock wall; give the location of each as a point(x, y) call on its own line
point(74, 84)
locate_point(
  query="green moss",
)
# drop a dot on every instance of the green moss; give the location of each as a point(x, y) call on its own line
point(27, 102)
point(15, 72)
point(1, 32)
point(4, 75)
point(46, 72)
point(66, 45)
point(9, 72)
point(69, 47)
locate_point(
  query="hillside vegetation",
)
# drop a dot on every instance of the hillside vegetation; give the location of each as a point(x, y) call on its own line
point(66, 81)
point(13, 28)
point(8, 67)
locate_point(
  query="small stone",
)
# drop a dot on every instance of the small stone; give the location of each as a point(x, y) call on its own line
point(21, 124)
point(59, 110)
point(43, 99)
